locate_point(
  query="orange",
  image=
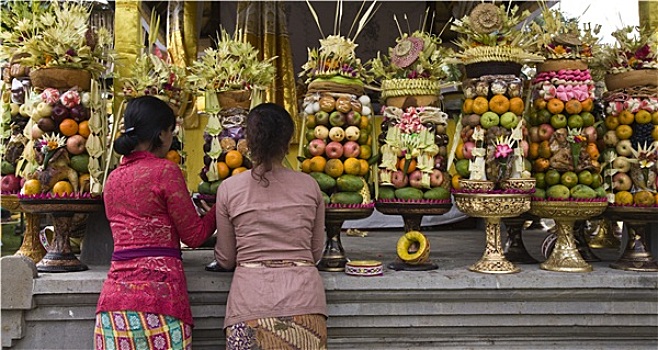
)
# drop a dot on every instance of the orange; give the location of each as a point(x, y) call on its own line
point(623, 198)
point(334, 168)
point(233, 159)
point(516, 105)
point(83, 128)
point(306, 165)
point(223, 170)
point(573, 106)
point(655, 197)
point(83, 181)
point(173, 156)
point(459, 152)
point(588, 105)
point(238, 170)
point(539, 103)
point(318, 163)
point(611, 122)
point(467, 107)
point(499, 104)
point(62, 187)
point(480, 105)
point(644, 198)
point(30, 187)
point(540, 165)
point(555, 106)
point(533, 150)
point(68, 127)
point(352, 166)
point(624, 132)
point(455, 181)
point(593, 151)
point(364, 167)
point(412, 165)
point(626, 117)
point(366, 152)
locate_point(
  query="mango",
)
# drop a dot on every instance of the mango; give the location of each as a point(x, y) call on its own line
point(349, 183)
point(325, 197)
point(325, 181)
point(346, 198)
point(408, 193)
point(558, 192)
point(539, 193)
point(386, 192)
point(581, 191)
point(437, 193)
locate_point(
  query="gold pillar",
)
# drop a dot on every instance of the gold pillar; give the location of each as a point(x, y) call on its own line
point(127, 40)
point(648, 13)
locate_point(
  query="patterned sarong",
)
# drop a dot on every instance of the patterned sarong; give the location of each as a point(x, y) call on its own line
point(303, 332)
point(128, 330)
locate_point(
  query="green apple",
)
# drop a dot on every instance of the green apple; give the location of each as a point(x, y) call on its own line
point(552, 177)
point(533, 119)
point(544, 116)
point(509, 120)
point(558, 192)
point(588, 118)
point(569, 179)
point(310, 121)
point(80, 163)
point(585, 177)
point(462, 168)
point(540, 180)
point(559, 121)
point(575, 121)
point(489, 119)
point(597, 180)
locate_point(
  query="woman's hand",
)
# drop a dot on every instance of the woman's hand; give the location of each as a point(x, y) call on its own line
point(203, 208)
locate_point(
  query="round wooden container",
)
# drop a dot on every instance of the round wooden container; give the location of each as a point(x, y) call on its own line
point(61, 78)
point(556, 65)
point(639, 77)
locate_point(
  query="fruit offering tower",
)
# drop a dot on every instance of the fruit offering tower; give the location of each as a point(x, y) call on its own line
point(232, 80)
point(413, 142)
point(563, 122)
point(631, 124)
point(67, 130)
point(15, 87)
point(492, 147)
point(337, 134)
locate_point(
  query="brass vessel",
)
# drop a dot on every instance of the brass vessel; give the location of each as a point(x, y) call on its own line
point(636, 256)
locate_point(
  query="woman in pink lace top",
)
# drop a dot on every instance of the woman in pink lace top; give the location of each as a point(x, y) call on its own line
point(270, 223)
point(144, 301)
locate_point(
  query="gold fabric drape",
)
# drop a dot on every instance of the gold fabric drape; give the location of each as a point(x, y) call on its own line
point(127, 40)
point(648, 13)
point(265, 26)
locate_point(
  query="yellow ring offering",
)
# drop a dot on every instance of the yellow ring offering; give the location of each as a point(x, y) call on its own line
point(413, 238)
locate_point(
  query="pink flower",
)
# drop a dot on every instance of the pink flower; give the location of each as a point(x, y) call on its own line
point(503, 151)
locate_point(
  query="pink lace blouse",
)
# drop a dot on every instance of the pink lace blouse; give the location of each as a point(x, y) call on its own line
point(148, 206)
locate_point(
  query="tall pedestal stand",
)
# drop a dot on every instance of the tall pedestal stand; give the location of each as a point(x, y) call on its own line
point(31, 246)
point(493, 207)
point(514, 249)
point(333, 257)
point(636, 256)
point(60, 257)
point(565, 257)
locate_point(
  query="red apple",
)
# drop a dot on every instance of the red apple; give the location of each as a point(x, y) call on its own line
point(76, 144)
point(317, 147)
point(399, 179)
point(10, 183)
point(36, 132)
point(436, 178)
point(468, 149)
point(621, 182)
point(545, 132)
point(416, 179)
point(590, 133)
point(351, 149)
point(334, 150)
point(525, 146)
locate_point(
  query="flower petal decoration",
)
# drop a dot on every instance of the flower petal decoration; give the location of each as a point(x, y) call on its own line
point(407, 51)
point(485, 18)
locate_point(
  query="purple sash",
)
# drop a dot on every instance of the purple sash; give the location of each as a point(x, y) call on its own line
point(129, 254)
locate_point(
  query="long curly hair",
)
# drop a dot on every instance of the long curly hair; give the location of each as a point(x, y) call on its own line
point(269, 131)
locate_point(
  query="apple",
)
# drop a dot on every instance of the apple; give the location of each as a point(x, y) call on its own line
point(399, 179)
point(489, 119)
point(352, 133)
point(322, 118)
point(575, 121)
point(80, 163)
point(79, 113)
point(334, 150)
point(622, 164)
point(624, 148)
point(316, 147)
point(351, 149)
point(436, 178)
point(36, 132)
point(321, 132)
point(468, 149)
point(509, 120)
point(471, 120)
point(310, 121)
point(597, 180)
point(14, 109)
point(59, 113)
point(590, 133)
point(525, 146)
point(337, 134)
point(416, 179)
point(559, 121)
point(46, 124)
point(76, 144)
point(621, 182)
point(337, 118)
point(610, 138)
point(25, 110)
point(310, 135)
point(10, 183)
point(533, 134)
point(353, 118)
point(544, 116)
point(545, 132)
point(44, 109)
point(588, 118)
point(585, 177)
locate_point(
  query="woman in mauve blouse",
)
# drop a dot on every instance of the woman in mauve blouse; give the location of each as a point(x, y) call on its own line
point(270, 224)
point(144, 302)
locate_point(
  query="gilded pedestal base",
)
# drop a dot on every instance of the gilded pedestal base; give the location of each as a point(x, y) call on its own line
point(493, 260)
point(514, 249)
point(333, 256)
point(31, 246)
point(605, 235)
point(636, 256)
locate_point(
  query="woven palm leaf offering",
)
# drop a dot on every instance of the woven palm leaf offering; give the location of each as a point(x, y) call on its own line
point(152, 73)
point(413, 142)
point(490, 155)
point(337, 143)
point(564, 121)
point(631, 122)
point(232, 79)
point(67, 131)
